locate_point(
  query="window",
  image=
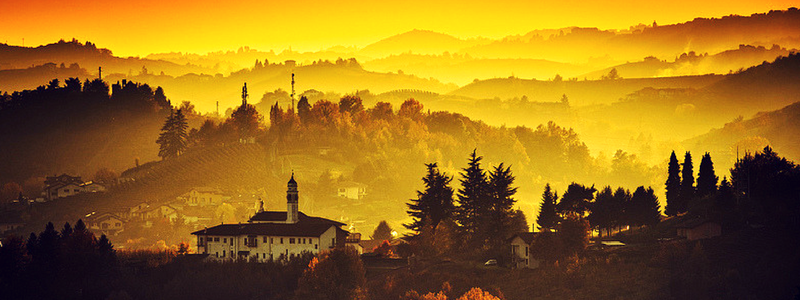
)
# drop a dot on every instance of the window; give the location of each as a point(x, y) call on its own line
point(75, 190)
point(216, 239)
point(265, 240)
point(291, 240)
point(304, 240)
point(316, 246)
point(281, 240)
point(216, 254)
point(66, 190)
point(526, 251)
point(225, 240)
point(271, 241)
point(231, 244)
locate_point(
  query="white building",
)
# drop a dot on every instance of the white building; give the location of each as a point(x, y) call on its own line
point(351, 190)
point(205, 196)
point(270, 234)
point(106, 223)
point(521, 251)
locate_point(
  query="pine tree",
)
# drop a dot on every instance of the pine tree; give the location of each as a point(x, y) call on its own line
point(173, 137)
point(434, 204)
point(622, 209)
point(687, 192)
point(673, 186)
point(645, 207)
point(498, 227)
point(382, 232)
point(602, 207)
point(548, 216)
point(706, 179)
point(473, 199)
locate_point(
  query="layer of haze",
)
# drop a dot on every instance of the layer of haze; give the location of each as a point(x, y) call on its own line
point(151, 26)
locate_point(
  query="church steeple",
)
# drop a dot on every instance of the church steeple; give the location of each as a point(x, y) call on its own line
point(291, 201)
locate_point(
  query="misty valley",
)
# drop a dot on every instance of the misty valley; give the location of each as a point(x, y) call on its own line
point(653, 162)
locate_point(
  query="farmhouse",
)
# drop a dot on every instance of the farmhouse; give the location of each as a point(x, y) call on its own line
point(520, 251)
point(269, 235)
point(699, 229)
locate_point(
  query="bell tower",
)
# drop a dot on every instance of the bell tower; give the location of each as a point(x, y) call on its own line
point(291, 201)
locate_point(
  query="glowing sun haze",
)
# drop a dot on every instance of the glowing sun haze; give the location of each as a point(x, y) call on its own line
point(148, 26)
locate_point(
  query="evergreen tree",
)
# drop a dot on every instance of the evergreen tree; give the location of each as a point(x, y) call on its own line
point(645, 207)
point(548, 216)
point(433, 204)
point(687, 192)
point(673, 186)
point(498, 227)
point(473, 199)
point(519, 222)
point(173, 137)
point(602, 207)
point(382, 232)
point(706, 179)
point(622, 210)
point(304, 109)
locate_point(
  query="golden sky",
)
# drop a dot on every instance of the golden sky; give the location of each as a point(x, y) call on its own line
point(147, 26)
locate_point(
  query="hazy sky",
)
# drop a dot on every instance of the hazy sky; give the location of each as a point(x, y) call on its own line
point(148, 26)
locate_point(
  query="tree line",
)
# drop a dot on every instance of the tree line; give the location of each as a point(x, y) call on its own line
point(478, 220)
point(67, 264)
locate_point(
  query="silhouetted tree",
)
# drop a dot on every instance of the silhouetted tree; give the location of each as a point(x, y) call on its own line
point(769, 186)
point(644, 207)
point(433, 204)
point(501, 196)
point(519, 222)
point(576, 200)
point(473, 199)
point(602, 212)
point(706, 179)
point(673, 186)
point(687, 192)
point(173, 137)
point(336, 275)
point(304, 109)
point(245, 120)
point(382, 232)
point(106, 175)
point(548, 216)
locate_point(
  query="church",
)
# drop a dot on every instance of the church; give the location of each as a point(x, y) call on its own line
point(270, 234)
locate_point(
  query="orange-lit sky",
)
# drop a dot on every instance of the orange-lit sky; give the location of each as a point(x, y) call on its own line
point(199, 26)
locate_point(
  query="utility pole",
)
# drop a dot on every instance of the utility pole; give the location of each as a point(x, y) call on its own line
point(100, 73)
point(292, 91)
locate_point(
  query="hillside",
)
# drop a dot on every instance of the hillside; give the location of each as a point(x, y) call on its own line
point(20, 79)
point(779, 129)
point(702, 35)
point(581, 92)
point(693, 64)
point(88, 56)
point(420, 42)
point(342, 77)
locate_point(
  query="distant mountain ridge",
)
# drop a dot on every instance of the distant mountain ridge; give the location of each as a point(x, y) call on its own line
point(421, 42)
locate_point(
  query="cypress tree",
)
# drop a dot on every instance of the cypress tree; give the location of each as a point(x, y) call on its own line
point(548, 216)
point(673, 186)
point(706, 179)
point(433, 204)
point(687, 192)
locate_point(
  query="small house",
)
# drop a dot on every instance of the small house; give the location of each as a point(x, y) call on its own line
point(521, 251)
point(351, 190)
point(698, 229)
